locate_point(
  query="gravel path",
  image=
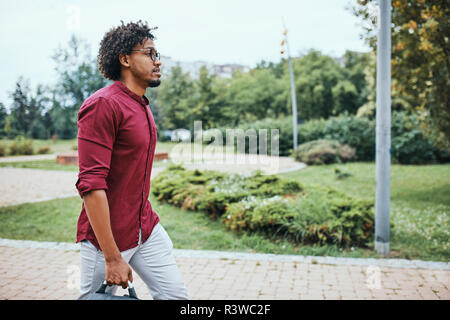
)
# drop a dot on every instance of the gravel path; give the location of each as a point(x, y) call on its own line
point(28, 158)
point(19, 185)
point(245, 164)
point(30, 185)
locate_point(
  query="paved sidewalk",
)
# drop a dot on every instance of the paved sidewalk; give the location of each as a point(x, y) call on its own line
point(32, 270)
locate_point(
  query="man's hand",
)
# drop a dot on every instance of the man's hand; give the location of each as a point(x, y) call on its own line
point(118, 272)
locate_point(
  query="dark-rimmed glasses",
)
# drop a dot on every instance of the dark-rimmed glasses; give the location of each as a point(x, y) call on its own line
point(152, 53)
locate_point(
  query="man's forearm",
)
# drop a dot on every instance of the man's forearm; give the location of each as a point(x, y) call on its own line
point(97, 209)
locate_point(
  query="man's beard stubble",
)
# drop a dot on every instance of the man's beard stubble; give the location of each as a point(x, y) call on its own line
point(154, 83)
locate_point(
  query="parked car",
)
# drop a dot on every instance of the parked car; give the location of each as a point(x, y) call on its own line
point(183, 135)
point(166, 135)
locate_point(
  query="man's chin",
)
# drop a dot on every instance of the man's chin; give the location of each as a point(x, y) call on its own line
point(154, 83)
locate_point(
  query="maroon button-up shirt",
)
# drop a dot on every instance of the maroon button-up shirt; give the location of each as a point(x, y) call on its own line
point(116, 145)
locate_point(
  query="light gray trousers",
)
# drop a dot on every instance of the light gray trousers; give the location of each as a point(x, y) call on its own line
point(153, 261)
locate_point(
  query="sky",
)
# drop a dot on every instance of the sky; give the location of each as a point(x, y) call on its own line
point(217, 31)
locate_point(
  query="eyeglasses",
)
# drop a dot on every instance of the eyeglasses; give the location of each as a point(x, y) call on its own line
point(152, 53)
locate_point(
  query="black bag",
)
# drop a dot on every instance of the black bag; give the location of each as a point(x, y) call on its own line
point(100, 294)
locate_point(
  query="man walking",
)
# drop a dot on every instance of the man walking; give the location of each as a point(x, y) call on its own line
point(117, 135)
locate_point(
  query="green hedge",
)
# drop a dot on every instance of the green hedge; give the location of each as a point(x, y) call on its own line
point(408, 144)
point(269, 205)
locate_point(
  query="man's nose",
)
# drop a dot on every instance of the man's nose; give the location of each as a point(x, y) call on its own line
point(158, 62)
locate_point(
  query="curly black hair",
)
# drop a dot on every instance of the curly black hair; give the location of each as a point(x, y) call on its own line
point(121, 40)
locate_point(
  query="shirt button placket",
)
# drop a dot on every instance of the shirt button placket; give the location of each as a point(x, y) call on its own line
point(146, 164)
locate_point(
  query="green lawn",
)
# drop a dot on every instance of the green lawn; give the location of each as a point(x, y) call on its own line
point(55, 220)
point(39, 164)
point(420, 204)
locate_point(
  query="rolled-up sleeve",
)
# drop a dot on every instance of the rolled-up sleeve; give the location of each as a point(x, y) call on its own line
point(97, 130)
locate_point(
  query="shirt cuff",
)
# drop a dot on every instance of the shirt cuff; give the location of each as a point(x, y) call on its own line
point(87, 184)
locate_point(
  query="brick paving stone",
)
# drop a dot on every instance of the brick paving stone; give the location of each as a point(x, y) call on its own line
point(379, 295)
point(45, 275)
point(314, 296)
point(445, 296)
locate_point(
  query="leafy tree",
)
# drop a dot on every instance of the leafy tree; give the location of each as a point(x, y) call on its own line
point(358, 67)
point(345, 97)
point(78, 74)
point(173, 95)
point(3, 115)
point(276, 68)
point(258, 94)
point(203, 99)
point(420, 58)
point(78, 78)
point(27, 108)
point(223, 112)
point(40, 102)
point(209, 102)
point(315, 77)
point(325, 87)
point(63, 121)
point(18, 120)
point(158, 116)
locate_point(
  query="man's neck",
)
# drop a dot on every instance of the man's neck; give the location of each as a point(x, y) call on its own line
point(133, 86)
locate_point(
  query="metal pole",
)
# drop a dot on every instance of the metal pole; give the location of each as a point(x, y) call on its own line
point(293, 96)
point(383, 130)
point(294, 102)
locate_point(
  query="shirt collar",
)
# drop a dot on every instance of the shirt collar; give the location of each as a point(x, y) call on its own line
point(142, 100)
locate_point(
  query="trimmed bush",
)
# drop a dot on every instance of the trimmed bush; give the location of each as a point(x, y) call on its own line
point(269, 205)
point(324, 152)
point(316, 216)
point(323, 155)
point(213, 191)
point(21, 146)
point(2, 150)
point(44, 150)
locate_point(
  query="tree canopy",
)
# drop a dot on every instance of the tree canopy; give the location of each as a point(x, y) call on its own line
point(325, 86)
point(420, 58)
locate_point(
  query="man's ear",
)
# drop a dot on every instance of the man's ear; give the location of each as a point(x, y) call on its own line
point(123, 59)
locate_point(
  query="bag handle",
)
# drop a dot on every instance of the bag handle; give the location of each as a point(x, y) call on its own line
point(131, 291)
